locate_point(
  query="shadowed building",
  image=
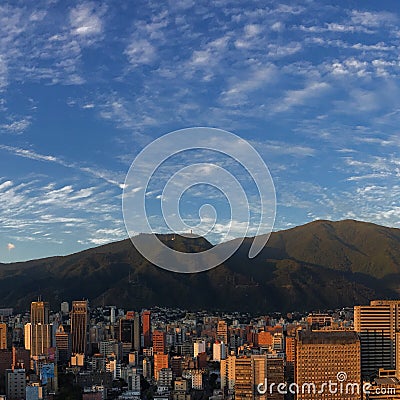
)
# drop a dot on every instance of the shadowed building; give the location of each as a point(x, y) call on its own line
point(79, 326)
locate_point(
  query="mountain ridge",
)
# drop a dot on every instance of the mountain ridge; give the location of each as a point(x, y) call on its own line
point(319, 265)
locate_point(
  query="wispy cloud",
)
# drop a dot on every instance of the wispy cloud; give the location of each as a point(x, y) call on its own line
point(97, 173)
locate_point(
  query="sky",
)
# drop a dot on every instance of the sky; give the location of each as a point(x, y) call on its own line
point(85, 86)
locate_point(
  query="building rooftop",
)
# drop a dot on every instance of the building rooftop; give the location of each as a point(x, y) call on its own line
point(327, 337)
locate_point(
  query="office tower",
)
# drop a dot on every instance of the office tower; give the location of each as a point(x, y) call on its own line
point(127, 334)
point(136, 332)
point(159, 339)
point(65, 307)
point(228, 373)
point(79, 326)
point(275, 376)
point(222, 331)
point(244, 388)
point(290, 351)
point(146, 324)
point(328, 356)
point(3, 336)
point(177, 365)
point(160, 362)
point(377, 325)
point(199, 346)
point(40, 311)
point(15, 384)
point(112, 315)
point(40, 330)
point(146, 369)
point(27, 335)
point(219, 351)
point(41, 339)
point(63, 344)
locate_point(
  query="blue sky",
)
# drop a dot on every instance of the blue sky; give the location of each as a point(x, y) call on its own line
point(84, 86)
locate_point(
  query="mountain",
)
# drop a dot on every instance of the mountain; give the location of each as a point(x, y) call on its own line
point(319, 265)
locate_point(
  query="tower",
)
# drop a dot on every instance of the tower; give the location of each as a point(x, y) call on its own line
point(40, 330)
point(146, 324)
point(328, 356)
point(377, 325)
point(79, 325)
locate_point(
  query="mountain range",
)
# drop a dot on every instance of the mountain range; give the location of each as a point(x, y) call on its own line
point(320, 265)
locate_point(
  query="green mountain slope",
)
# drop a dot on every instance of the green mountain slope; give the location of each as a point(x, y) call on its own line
point(315, 266)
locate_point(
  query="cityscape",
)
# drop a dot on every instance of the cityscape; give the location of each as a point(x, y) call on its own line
point(80, 352)
point(199, 200)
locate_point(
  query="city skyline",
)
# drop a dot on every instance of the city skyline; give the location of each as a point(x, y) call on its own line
point(313, 86)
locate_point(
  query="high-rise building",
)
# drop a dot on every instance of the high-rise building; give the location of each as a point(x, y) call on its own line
point(378, 325)
point(244, 388)
point(65, 307)
point(63, 344)
point(126, 331)
point(40, 311)
point(328, 356)
point(79, 326)
point(40, 329)
point(15, 384)
point(199, 346)
point(136, 332)
point(159, 339)
point(146, 369)
point(219, 351)
point(222, 331)
point(228, 373)
point(146, 325)
point(250, 372)
point(112, 314)
point(41, 339)
point(275, 376)
point(27, 335)
point(160, 362)
point(3, 336)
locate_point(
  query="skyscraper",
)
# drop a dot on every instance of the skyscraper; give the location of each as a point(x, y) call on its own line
point(41, 339)
point(63, 344)
point(79, 325)
point(159, 342)
point(40, 330)
point(378, 326)
point(146, 324)
point(160, 362)
point(328, 356)
point(40, 311)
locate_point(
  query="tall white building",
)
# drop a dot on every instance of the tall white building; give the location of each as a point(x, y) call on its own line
point(219, 351)
point(199, 346)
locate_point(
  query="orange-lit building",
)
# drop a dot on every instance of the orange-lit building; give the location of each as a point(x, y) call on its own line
point(159, 339)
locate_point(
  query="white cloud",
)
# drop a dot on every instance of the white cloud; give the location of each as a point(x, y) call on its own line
point(86, 19)
point(299, 97)
point(18, 126)
point(140, 51)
